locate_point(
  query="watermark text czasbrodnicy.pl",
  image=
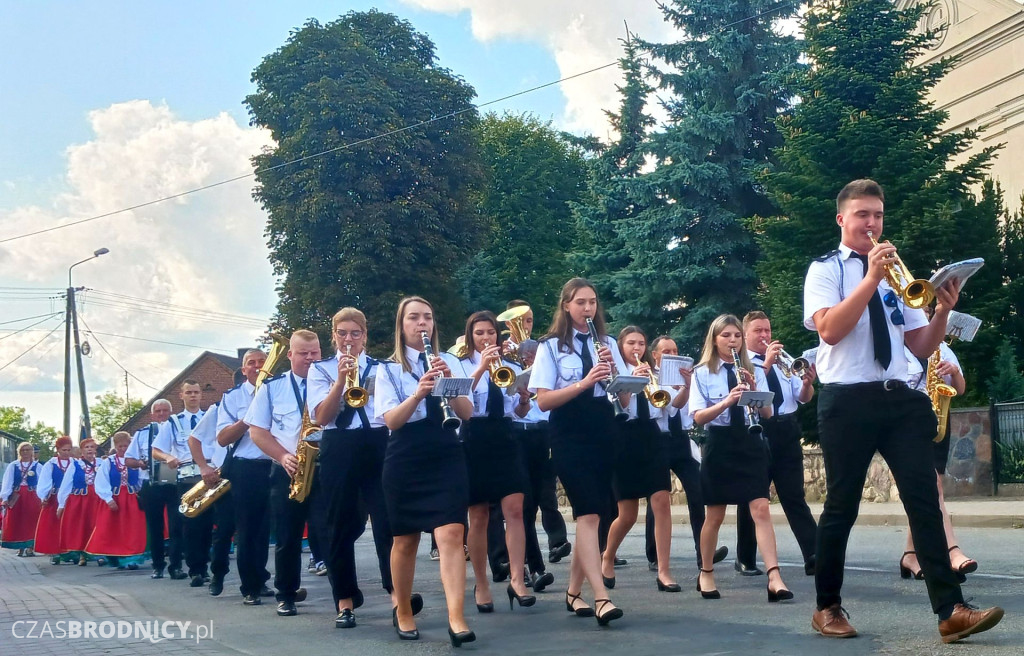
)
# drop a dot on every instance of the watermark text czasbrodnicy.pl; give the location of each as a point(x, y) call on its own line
point(153, 631)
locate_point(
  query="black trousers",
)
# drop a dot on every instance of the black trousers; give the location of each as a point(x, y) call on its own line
point(250, 490)
point(289, 523)
point(681, 461)
point(223, 515)
point(197, 534)
point(351, 462)
point(786, 469)
point(855, 421)
point(156, 498)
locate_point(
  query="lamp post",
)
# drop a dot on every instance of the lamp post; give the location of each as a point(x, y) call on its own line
point(71, 324)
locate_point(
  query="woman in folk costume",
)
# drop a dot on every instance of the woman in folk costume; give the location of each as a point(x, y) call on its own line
point(120, 523)
point(77, 502)
point(51, 475)
point(20, 503)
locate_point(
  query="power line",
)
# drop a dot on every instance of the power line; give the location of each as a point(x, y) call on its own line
point(44, 319)
point(114, 360)
point(22, 354)
point(36, 359)
point(4, 323)
point(148, 304)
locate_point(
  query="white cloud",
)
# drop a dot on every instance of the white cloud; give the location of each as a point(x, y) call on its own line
point(580, 34)
point(204, 251)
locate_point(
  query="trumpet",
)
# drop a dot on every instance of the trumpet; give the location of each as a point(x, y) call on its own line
point(355, 396)
point(753, 416)
point(501, 375)
point(451, 420)
point(916, 293)
point(657, 397)
point(620, 412)
point(790, 366)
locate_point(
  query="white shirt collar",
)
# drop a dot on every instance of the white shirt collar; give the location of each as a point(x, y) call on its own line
point(412, 356)
point(248, 387)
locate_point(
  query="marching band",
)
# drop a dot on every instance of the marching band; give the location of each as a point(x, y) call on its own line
point(450, 444)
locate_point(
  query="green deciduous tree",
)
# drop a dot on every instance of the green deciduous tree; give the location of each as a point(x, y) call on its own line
point(110, 412)
point(16, 421)
point(534, 174)
point(377, 217)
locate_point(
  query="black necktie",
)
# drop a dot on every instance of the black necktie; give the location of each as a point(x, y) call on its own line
point(736, 417)
point(879, 329)
point(588, 360)
point(675, 424)
point(773, 384)
point(643, 409)
point(194, 421)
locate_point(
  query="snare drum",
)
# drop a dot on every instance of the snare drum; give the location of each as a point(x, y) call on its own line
point(189, 470)
point(164, 474)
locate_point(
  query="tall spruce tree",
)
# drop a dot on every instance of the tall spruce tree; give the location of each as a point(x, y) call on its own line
point(610, 199)
point(729, 77)
point(864, 112)
point(366, 224)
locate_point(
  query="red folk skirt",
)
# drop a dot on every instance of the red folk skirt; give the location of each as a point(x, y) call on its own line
point(120, 532)
point(78, 521)
point(48, 529)
point(19, 525)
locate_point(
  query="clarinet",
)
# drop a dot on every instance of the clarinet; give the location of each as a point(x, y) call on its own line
point(451, 420)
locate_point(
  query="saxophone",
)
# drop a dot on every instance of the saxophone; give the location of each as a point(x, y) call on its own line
point(306, 451)
point(940, 393)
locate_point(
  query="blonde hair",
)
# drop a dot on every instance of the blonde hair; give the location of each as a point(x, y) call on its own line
point(346, 314)
point(399, 353)
point(23, 445)
point(709, 354)
point(120, 436)
point(305, 336)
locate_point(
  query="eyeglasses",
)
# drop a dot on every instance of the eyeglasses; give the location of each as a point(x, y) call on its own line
point(354, 334)
point(890, 301)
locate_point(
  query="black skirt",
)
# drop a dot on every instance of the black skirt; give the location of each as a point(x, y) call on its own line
point(424, 478)
point(641, 466)
point(582, 451)
point(734, 469)
point(493, 459)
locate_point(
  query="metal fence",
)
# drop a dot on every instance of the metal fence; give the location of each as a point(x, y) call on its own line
point(1007, 443)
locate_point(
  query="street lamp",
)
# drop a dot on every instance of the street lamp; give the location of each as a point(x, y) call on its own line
point(71, 323)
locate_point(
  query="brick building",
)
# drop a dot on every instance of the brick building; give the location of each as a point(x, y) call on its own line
point(215, 374)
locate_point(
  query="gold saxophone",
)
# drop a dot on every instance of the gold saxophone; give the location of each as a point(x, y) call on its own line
point(940, 393)
point(306, 451)
point(200, 496)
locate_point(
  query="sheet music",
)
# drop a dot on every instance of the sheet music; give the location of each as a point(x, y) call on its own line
point(452, 387)
point(957, 271)
point(962, 326)
point(668, 373)
point(522, 383)
point(756, 399)
point(633, 384)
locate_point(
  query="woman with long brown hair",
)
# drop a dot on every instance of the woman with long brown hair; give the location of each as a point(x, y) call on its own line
point(569, 373)
point(426, 487)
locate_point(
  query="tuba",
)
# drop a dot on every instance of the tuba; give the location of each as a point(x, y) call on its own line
point(940, 393)
point(355, 396)
point(916, 293)
point(306, 451)
point(753, 417)
point(279, 348)
point(656, 396)
point(517, 332)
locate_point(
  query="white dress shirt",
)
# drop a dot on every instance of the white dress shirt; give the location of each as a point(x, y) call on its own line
point(790, 386)
point(323, 375)
point(172, 439)
point(185, 419)
point(277, 409)
point(45, 484)
point(556, 369)
point(7, 487)
point(916, 377)
point(102, 484)
point(465, 369)
point(710, 388)
point(394, 384)
point(827, 283)
point(233, 406)
point(206, 433)
point(139, 448)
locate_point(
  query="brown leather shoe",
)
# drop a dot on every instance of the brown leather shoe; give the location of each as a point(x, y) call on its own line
point(967, 620)
point(831, 622)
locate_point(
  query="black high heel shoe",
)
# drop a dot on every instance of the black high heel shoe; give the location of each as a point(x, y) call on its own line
point(483, 608)
point(708, 594)
point(460, 638)
point(668, 587)
point(525, 601)
point(906, 572)
point(404, 635)
point(777, 595)
point(571, 599)
point(604, 618)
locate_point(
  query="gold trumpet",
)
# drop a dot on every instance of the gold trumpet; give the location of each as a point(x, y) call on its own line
point(657, 397)
point(306, 452)
point(501, 375)
point(355, 396)
point(916, 293)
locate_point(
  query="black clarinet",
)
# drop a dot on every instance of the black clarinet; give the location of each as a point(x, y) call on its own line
point(451, 420)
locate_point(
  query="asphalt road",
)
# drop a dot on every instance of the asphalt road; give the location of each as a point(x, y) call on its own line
point(892, 615)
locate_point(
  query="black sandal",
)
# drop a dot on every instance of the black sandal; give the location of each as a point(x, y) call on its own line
point(708, 594)
point(906, 572)
point(604, 618)
point(777, 595)
point(570, 605)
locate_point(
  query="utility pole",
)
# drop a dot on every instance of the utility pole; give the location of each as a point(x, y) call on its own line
point(67, 360)
point(81, 372)
point(127, 397)
point(71, 328)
